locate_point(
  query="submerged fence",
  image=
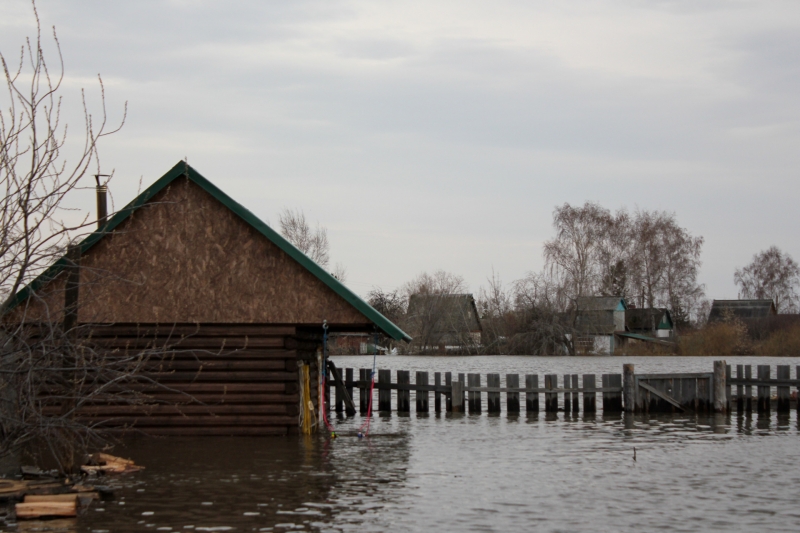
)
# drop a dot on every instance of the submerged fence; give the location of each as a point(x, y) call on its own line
point(572, 393)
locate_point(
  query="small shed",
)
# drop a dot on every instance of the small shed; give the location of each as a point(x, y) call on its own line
point(233, 307)
point(654, 322)
point(597, 319)
point(447, 321)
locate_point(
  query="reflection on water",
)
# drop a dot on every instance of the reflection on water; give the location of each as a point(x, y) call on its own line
point(548, 472)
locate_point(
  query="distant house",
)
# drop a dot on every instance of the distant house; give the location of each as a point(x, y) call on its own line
point(652, 322)
point(597, 320)
point(741, 309)
point(444, 322)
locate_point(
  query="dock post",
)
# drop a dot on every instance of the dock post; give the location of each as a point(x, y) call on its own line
point(422, 395)
point(403, 396)
point(720, 387)
point(512, 398)
point(474, 380)
point(589, 398)
point(385, 395)
point(628, 392)
point(550, 398)
point(783, 390)
point(763, 390)
point(493, 398)
point(457, 395)
point(532, 398)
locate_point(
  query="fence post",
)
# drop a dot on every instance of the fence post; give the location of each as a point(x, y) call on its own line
point(748, 389)
point(493, 398)
point(385, 395)
point(567, 395)
point(783, 390)
point(457, 395)
point(448, 398)
point(463, 386)
point(720, 398)
point(403, 396)
point(628, 392)
point(728, 395)
point(348, 385)
point(550, 398)
point(437, 396)
point(512, 398)
point(575, 393)
point(474, 380)
point(422, 395)
point(763, 390)
point(589, 398)
point(532, 398)
point(740, 389)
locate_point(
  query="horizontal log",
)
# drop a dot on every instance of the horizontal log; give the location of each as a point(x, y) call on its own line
point(176, 410)
point(211, 343)
point(691, 375)
point(165, 377)
point(227, 431)
point(197, 330)
point(242, 354)
point(219, 399)
point(191, 387)
point(218, 364)
point(68, 497)
point(142, 422)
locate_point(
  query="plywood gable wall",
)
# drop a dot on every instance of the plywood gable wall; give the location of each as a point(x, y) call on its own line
point(185, 257)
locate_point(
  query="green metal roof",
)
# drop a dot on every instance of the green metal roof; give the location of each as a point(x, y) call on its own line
point(183, 169)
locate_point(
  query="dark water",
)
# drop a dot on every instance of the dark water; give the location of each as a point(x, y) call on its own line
point(549, 472)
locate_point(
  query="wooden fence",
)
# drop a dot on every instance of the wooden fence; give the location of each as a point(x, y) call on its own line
point(573, 393)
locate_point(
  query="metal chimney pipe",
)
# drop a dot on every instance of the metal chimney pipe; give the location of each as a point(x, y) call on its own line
point(102, 204)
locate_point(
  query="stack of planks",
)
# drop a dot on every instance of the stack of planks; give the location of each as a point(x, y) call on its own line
point(207, 379)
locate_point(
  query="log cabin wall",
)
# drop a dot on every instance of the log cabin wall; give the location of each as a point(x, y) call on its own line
point(212, 379)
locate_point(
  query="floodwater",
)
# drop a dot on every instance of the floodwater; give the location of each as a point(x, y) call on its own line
point(547, 472)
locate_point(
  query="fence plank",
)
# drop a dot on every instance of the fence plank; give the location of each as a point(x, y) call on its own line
point(493, 398)
point(348, 384)
point(457, 394)
point(589, 398)
point(550, 398)
point(385, 395)
point(728, 375)
point(474, 380)
point(403, 396)
point(763, 392)
point(461, 380)
point(567, 396)
point(512, 398)
point(422, 396)
point(783, 391)
point(532, 398)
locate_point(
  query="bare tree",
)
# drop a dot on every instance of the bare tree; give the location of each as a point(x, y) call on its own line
point(312, 242)
point(48, 370)
point(772, 274)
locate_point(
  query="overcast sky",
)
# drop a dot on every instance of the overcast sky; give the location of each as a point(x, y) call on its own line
point(441, 135)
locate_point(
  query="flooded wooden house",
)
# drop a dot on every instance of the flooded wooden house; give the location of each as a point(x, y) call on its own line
point(229, 306)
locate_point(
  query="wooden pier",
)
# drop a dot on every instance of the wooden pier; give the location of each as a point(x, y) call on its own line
point(571, 393)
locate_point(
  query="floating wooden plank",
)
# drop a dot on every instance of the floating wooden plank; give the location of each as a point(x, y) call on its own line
point(31, 510)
